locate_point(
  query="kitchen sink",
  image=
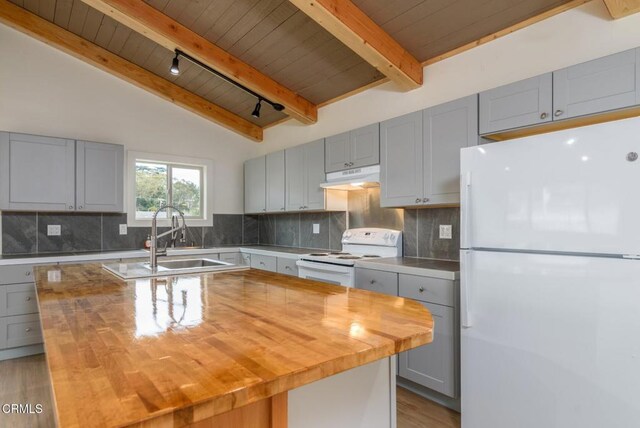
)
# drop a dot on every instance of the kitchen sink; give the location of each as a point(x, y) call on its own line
point(170, 267)
point(191, 264)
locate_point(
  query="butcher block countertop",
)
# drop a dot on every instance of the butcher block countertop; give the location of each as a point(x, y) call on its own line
point(180, 350)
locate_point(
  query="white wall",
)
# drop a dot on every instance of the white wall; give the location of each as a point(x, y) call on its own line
point(575, 36)
point(44, 91)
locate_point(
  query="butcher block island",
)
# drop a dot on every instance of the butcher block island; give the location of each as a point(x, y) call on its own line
point(235, 349)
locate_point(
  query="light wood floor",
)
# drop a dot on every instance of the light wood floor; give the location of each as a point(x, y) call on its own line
point(25, 380)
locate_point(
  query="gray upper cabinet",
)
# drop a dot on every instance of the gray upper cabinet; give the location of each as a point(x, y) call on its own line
point(275, 181)
point(434, 365)
point(37, 173)
point(608, 83)
point(524, 103)
point(99, 177)
point(254, 185)
point(304, 172)
point(447, 129)
point(401, 165)
point(314, 175)
point(338, 152)
point(353, 149)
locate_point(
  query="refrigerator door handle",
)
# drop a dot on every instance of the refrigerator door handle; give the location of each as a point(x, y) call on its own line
point(465, 286)
point(465, 210)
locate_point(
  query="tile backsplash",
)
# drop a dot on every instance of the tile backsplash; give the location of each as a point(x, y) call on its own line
point(26, 232)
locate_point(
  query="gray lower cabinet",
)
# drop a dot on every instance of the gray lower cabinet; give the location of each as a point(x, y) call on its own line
point(434, 365)
point(36, 173)
point(275, 175)
point(524, 103)
point(377, 280)
point(287, 266)
point(99, 177)
point(447, 129)
point(608, 83)
point(255, 185)
point(233, 258)
point(354, 149)
point(20, 330)
point(245, 259)
point(401, 164)
point(304, 172)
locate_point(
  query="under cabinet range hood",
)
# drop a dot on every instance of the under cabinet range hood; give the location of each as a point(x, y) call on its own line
point(353, 179)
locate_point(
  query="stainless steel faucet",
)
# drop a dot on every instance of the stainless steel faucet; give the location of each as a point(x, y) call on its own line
point(175, 227)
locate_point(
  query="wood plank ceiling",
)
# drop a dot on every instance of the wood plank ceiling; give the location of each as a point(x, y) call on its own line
point(285, 44)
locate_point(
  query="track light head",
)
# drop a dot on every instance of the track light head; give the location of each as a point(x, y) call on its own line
point(256, 110)
point(278, 107)
point(175, 66)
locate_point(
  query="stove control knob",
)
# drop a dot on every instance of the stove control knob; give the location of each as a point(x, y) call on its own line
point(386, 236)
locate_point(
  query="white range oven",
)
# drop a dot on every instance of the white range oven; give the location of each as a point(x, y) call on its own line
point(357, 244)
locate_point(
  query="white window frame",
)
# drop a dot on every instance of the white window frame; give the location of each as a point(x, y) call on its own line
point(206, 178)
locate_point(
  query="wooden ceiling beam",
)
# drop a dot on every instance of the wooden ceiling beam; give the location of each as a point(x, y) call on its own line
point(155, 25)
point(345, 21)
point(622, 8)
point(59, 38)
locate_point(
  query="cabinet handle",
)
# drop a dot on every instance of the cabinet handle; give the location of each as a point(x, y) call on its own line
point(346, 164)
point(543, 116)
point(418, 200)
point(421, 289)
point(350, 163)
point(70, 207)
point(373, 281)
point(80, 207)
point(282, 209)
point(262, 263)
point(558, 113)
point(28, 329)
point(28, 298)
point(287, 267)
point(264, 209)
point(425, 200)
point(28, 273)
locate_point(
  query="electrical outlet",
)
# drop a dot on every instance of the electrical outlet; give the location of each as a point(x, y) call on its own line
point(53, 230)
point(123, 229)
point(445, 231)
point(316, 228)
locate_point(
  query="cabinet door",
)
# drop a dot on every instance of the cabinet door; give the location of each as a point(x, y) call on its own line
point(378, 281)
point(36, 173)
point(254, 185)
point(314, 175)
point(401, 161)
point(294, 178)
point(337, 152)
point(447, 129)
point(99, 177)
point(519, 104)
point(275, 181)
point(365, 146)
point(607, 83)
point(434, 365)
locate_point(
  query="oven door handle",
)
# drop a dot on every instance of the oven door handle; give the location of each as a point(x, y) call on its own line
point(318, 267)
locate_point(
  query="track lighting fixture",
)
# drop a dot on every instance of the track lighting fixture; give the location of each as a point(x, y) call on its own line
point(256, 110)
point(175, 65)
point(175, 70)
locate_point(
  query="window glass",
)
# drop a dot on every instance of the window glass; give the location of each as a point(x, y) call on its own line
point(186, 190)
point(152, 190)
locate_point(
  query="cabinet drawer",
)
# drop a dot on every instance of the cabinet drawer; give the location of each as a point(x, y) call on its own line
point(269, 263)
point(287, 266)
point(378, 281)
point(18, 299)
point(230, 258)
point(20, 330)
point(16, 274)
point(425, 289)
point(245, 259)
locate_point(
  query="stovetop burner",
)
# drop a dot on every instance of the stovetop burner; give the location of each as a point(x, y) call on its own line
point(349, 257)
point(370, 255)
point(319, 254)
point(339, 253)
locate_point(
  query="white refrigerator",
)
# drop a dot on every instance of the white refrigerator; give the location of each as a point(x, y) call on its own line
point(550, 280)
